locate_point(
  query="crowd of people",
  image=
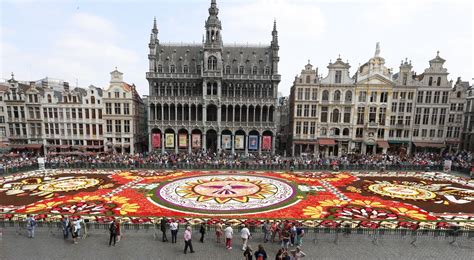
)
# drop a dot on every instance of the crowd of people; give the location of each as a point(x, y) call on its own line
point(287, 234)
point(460, 159)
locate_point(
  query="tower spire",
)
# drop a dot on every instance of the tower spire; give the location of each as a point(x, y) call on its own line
point(274, 34)
point(155, 28)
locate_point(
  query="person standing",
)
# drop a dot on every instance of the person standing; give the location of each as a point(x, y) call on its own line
point(299, 235)
point(31, 226)
point(66, 225)
point(174, 231)
point(163, 227)
point(245, 235)
point(229, 232)
point(266, 228)
point(113, 232)
point(77, 223)
point(119, 235)
point(74, 231)
point(260, 254)
point(202, 230)
point(187, 240)
point(292, 234)
point(285, 239)
point(218, 232)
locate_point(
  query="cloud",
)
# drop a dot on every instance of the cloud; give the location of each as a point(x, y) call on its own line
point(86, 49)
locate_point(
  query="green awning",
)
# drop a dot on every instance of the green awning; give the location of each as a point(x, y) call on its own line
point(398, 142)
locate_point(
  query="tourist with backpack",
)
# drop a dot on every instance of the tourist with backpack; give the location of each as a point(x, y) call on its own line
point(30, 226)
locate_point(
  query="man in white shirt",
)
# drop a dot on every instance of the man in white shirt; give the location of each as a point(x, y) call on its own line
point(174, 231)
point(245, 235)
point(228, 232)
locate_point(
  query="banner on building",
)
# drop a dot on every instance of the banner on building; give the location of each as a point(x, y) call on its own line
point(239, 141)
point(226, 142)
point(196, 143)
point(156, 140)
point(182, 140)
point(267, 143)
point(253, 142)
point(169, 140)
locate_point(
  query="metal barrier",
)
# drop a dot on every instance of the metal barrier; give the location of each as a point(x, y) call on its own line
point(244, 166)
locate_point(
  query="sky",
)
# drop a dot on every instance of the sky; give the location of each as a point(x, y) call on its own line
point(82, 41)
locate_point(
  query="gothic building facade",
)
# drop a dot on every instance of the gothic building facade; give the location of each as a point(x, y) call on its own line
point(211, 96)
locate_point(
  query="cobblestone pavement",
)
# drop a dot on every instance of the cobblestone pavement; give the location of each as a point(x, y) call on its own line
point(142, 245)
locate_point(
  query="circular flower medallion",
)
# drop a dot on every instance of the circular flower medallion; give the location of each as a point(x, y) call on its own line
point(401, 191)
point(224, 194)
point(69, 184)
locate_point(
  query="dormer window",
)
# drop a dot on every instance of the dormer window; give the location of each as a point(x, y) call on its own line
point(185, 69)
point(254, 70)
point(308, 79)
point(267, 70)
point(172, 69)
point(227, 69)
point(241, 70)
point(430, 81)
point(160, 69)
point(438, 82)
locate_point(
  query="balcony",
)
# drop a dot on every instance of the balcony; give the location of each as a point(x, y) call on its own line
point(371, 125)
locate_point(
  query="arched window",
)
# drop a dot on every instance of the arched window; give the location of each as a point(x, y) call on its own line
point(430, 81)
point(185, 69)
point(325, 95)
point(227, 69)
point(337, 95)
point(335, 115)
point(92, 100)
point(324, 131)
point(348, 96)
point(172, 69)
point(49, 98)
point(438, 82)
point(254, 70)
point(212, 63)
point(345, 132)
point(458, 95)
point(308, 79)
point(241, 70)
point(160, 69)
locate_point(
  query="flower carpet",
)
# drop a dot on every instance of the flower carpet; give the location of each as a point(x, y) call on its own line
point(362, 199)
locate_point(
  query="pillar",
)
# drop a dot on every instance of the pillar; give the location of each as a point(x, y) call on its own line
point(218, 143)
point(162, 142)
point(247, 144)
point(273, 144)
point(150, 146)
point(203, 142)
point(204, 114)
point(259, 144)
point(292, 150)
point(189, 112)
point(233, 144)
point(176, 142)
point(189, 143)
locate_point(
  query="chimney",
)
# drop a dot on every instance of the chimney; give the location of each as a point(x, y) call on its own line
point(66, 86)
